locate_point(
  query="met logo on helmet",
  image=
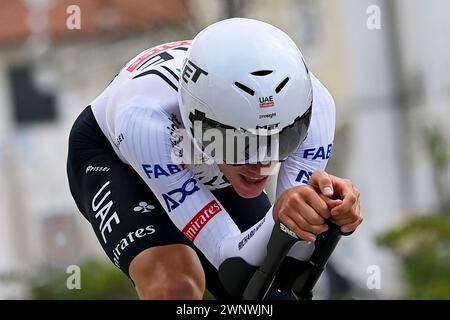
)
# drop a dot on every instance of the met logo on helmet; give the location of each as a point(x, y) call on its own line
point(192, 71)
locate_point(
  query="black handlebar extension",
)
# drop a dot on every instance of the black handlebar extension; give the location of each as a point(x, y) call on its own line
point(280, 242)
point(324, 246)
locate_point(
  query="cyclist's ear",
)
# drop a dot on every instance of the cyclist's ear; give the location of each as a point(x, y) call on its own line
point(321, 181)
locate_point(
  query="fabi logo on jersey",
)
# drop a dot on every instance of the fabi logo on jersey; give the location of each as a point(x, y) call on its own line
point(157, 170)
point(189, 187)
point(318, 153)
point(193, 228)
point(265, 102)
point(303, 176)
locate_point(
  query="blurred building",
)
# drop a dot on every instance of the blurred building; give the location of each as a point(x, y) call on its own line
point(388, 83)
point(48, 74)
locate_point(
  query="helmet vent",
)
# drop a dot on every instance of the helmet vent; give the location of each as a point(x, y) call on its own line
point(261, 73)
point(244, 88)
point(281, 85)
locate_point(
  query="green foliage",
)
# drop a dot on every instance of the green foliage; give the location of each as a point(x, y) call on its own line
point(99, 281)
point(437, 146)
point(423, 244)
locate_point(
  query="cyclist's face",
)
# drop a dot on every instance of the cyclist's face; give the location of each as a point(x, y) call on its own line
point(248, 180)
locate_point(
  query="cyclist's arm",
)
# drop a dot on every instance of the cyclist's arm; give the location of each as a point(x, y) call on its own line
point(191, 207)
point(314, 152)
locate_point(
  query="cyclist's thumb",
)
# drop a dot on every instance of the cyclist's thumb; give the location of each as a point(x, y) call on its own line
point(322, 181)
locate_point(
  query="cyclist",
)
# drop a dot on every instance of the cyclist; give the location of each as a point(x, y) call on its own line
point(168, 217)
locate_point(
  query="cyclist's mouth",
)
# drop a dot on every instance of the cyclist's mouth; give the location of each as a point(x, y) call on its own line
point(255, 181)
point(250, 186)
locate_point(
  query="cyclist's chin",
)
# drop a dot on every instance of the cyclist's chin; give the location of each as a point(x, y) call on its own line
point(248, 188)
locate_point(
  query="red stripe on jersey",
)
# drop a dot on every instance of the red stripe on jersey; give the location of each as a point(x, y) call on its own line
point(154, 51)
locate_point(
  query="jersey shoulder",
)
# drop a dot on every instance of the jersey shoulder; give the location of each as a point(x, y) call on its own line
point(149, 80)
point(323, 119)
point(318, 143)
point(163, 54)
point(322, 98)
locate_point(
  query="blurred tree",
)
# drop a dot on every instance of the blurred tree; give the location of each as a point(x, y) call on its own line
point(438, 149)
point(99, 281)
point(423, 243)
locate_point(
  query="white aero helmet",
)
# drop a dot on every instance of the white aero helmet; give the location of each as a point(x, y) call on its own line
point(245, 92)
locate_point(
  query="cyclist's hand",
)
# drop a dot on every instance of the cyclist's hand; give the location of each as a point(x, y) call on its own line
point(304, 211)
point(346, 214)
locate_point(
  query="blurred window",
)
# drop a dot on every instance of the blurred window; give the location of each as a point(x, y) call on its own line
point(30, 104)
point(61, 240)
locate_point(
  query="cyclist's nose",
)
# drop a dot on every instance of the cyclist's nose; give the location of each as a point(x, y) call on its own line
point(264, 165)
point(257, 167)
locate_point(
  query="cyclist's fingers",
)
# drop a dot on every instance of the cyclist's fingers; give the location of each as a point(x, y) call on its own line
point(348, 193)
point(352, 218)
point(348, 202)
point(352, 226)
point(305, 235)
point(331, 203)
point(318, 204)
point(344, 221)
point(303, 224)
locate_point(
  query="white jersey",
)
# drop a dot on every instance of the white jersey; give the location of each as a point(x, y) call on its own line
point(139, 113)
